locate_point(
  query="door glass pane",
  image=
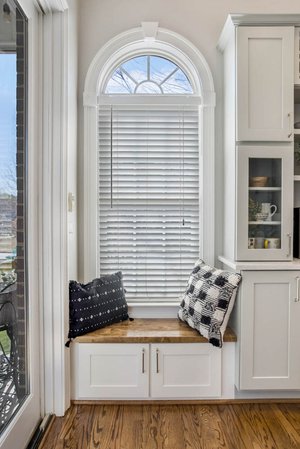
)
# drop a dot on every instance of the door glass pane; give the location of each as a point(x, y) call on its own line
point(13, 310)
point(264, 207)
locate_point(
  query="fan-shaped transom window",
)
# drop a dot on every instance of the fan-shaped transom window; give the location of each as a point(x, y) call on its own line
point(148, 74)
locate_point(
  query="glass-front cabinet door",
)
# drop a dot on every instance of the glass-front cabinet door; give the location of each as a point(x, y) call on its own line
point(264, 203)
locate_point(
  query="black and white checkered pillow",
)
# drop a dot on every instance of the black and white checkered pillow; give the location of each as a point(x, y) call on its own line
point(96, 304)
point(208, 301)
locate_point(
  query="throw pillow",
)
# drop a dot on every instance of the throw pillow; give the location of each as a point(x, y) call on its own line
point(208, 301)
point(96, 304)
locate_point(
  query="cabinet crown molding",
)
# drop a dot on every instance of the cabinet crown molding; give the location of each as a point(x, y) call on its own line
point(234, 20)
point(53, 5)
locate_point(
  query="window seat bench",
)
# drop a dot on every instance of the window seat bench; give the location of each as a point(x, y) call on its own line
point(151, 359)
point(155, 330)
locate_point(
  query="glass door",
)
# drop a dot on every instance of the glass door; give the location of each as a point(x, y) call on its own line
point(265, 201)
point(19, 350)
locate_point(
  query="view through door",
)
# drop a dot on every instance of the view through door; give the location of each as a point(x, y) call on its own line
point(19, 379)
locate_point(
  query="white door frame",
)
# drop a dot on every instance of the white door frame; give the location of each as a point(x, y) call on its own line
point(47, 222)
point(53, 205)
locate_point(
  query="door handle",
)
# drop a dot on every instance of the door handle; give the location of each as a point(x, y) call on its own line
point(297, 299)
point(143, 361)
point(290, 244)
point(290, 125)
point(157, 353)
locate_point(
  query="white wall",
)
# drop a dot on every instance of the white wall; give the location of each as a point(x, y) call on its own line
point(72, 135)
point(200, 21)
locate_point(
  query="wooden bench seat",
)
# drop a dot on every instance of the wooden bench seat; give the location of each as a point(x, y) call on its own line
point(164, 330)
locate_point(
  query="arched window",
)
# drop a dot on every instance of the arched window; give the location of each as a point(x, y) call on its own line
point(148, 74)
point(149, 171)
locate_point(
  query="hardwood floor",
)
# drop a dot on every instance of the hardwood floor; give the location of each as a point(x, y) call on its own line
point(230, 426)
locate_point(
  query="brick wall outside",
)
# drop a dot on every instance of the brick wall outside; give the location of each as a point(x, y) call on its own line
point(21, 293)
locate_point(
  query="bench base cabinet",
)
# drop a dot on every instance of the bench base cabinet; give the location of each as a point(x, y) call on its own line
point(139, 371)
point(185, 371)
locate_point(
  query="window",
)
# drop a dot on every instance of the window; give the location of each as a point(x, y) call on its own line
point(14, 377)
point(148, 106)
point(148, 75)
point(148, 181)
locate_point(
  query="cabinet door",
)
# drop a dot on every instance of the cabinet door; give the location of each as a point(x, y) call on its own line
point(190, 370)
point(297, 56)
point(265, 77)
point(270, 331)
point(264, 212)
point(110, 371)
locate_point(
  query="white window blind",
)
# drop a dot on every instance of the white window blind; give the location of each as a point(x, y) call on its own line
point(148, 203)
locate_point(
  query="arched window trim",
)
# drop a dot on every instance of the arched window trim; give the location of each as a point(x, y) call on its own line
point(176, 48)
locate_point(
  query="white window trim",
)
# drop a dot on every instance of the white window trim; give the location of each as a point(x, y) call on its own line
point(176, 48)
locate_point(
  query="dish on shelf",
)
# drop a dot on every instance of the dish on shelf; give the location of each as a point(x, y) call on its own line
point(258, 181)
point(261, 216)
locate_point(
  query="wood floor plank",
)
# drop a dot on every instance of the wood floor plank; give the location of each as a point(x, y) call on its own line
point(103, 426)
point(207, 432)
point(236, 435)
point(252, 418)
point(181, 426)
point(76, 432)
point(153, 435)
point(172, 427)
point(292, 414)
point(281, 428)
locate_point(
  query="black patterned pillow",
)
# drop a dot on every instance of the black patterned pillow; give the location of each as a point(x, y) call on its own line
point(96, 304)
point(208, 301)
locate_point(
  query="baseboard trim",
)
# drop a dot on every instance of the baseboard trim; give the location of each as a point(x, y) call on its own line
point(188, 401)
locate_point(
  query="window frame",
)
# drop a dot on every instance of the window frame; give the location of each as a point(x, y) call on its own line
point(176, 48)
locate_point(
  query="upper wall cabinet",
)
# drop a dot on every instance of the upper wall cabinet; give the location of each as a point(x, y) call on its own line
point(264, 82)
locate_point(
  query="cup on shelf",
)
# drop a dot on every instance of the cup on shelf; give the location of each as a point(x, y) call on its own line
point(251, 243)
point(259, 242)
point(272, 243)
point(256, 242)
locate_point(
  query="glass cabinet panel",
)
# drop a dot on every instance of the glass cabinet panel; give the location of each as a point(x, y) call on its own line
point(264, 203)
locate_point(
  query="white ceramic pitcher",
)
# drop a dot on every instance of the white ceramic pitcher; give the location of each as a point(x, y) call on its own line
point(270, 209)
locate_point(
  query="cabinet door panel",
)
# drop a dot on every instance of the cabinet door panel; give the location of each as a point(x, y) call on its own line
point(265, 83)
point(106, 371)
point(270, 335)
point(185, 370)
point(264, 181)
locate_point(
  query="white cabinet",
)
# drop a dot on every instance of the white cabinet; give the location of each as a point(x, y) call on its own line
point(137, 371)
point(259, 71)
point(258, 137)
point(185, 371)
point(265, 83)
point(269, 331)
point(110, 371)
point(264, 207)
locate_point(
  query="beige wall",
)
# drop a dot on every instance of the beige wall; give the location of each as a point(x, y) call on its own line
point(200, 21)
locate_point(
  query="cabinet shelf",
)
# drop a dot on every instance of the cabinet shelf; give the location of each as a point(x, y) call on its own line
point(265, 189)
point(265, 223)
point(296, 177)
